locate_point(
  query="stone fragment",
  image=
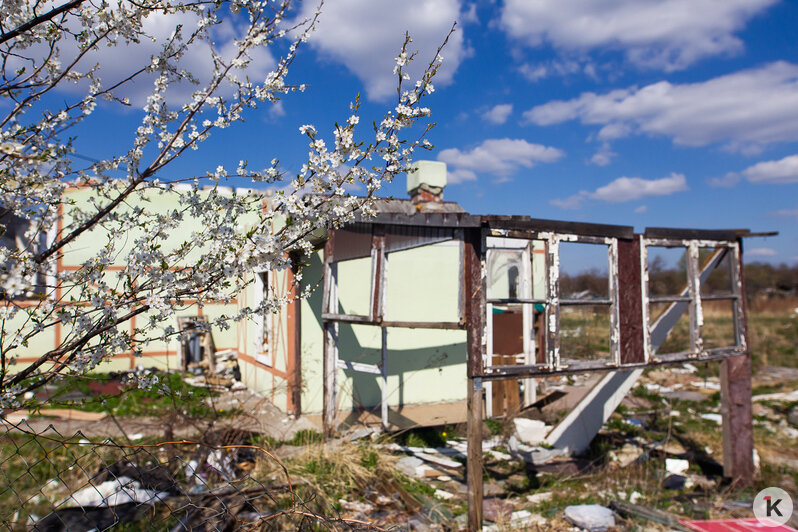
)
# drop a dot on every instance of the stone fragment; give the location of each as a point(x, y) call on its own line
point(676, 466)
point(530, 431)
point(537, 498)
point(626, 455)
point(495, 509)
point(674, 482)
point(591, 517)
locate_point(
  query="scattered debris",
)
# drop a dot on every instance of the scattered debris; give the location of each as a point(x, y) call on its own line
point(781, 397)
point(445, 495)
point(530, 431)
point(626, 455)
point(652, 514)
point(356, 506)
point(591, 517)
point(717, 418)
point(72, 414)
point(685, 395)
point(497, 510)
point(538, 498)
point(122, 490)
point(533, 455)
point(676, 466)
point(674, 482)
point(521, 519)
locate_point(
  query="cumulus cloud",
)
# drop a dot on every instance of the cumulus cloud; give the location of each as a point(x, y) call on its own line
point(745, 110)
point(626, 189)
point(559, 67)
point(769, 172)
point(498, 114)
point(727, 181)
point(603, 156)
point(118, 62)
point(366, 35)
point(787, 213)
point(664, 34)
point(761, 252)
point(498, 157)
point(781, 171)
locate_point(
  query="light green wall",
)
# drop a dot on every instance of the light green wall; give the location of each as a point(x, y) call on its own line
point(424, 365)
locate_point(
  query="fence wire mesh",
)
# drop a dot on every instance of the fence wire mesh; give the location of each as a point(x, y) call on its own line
point(51, 481)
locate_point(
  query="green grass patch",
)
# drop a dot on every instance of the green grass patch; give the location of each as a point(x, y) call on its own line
point(168, 395)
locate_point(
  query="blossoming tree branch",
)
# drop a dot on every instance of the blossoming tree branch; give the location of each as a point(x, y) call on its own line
point(55, 70)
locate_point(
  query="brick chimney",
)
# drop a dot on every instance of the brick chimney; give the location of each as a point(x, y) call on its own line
point(425, 184)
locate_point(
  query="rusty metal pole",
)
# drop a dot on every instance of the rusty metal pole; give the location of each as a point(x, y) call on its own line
point(474, 309)
point(735, 391)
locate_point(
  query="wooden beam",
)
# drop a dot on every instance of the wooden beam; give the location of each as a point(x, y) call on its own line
point(473, 255)
point(294, 343)
point(474, 453)
point(630, 302)
point(384, 378)
point(735, 392)
point(330, 364)
point(377, 307)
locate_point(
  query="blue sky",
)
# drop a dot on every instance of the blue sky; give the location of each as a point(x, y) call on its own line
point(676, 113)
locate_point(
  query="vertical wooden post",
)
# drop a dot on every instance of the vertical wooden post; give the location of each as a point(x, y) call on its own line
point(474, 315)
point(379, 263)
point(330, 369)
point(377, 307)
point(735, 391)
point(630, 301)
point(384, 378)
point(294, 341)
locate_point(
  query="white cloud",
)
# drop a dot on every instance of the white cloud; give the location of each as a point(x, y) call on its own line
point(761, 252)
point(498, 114)
point(746, 110)
point(787, 213)
point(770, 172)
point(603, 156)
point(118, 62)
point(641, 209)
point(781, 171)
point(366, 36)
point(626, 189)
point(499, 157)
point(535, 72)
point(727, 181)
point(666, 34)
point(276, 110)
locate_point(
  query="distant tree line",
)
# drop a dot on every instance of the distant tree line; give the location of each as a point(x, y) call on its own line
point(761, 279)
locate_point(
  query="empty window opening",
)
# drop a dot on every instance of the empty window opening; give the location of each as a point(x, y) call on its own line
point(586, 307)
point(693, 298)
point(262, 288)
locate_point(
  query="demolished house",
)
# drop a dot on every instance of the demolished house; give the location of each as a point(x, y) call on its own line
point(427, 315)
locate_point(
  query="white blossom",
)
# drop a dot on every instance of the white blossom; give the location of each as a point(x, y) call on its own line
point(229, 233)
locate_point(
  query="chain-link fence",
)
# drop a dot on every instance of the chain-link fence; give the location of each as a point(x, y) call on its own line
point(52, 482)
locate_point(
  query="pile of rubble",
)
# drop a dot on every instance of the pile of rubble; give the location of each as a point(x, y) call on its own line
point(219, 372)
